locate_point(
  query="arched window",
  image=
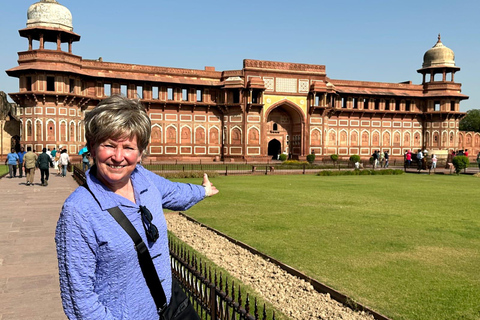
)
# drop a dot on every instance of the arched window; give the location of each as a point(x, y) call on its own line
point(200, 135)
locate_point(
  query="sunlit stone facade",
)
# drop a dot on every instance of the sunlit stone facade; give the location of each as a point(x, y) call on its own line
point(254, 113)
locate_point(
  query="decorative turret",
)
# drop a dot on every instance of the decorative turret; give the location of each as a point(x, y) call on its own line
point(49, 21)
point(439, 56)
point(49, 13)
point(438, 60)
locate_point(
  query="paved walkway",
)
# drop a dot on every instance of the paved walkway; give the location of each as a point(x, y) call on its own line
point(29, 287)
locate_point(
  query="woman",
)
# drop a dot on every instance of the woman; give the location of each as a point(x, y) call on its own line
point(64, 161)
point(100, 276)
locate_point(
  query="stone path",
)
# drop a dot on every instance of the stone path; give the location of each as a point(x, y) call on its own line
point(29, 287)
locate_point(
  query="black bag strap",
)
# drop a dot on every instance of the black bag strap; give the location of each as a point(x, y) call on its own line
point(146, 264)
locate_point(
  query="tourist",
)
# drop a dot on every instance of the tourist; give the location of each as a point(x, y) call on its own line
point(30, 160)
point(375, 159)
point(53, 153)
point(419, 159)
point(57, 164)
point(382, 158)
point(64, 161)
point(100, 274)
point(85, 161)
point(43, 163)
point(466, 153)
point(12, 161)
point(478, 160)
point(21, 153)
point(386, 156)
point(434, 161)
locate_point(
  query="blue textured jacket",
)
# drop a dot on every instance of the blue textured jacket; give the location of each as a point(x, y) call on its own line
point(100, 277)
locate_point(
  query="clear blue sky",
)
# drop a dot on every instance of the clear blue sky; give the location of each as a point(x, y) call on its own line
point(377, 40)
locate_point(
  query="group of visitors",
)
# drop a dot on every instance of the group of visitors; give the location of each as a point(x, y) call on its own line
point(381, 158)
point(28, 161)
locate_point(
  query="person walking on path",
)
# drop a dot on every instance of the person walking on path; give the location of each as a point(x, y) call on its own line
point(21, 153)
point(100, 272)
point(434, 161)
point(85, 161)
point(386, 156)
point(419, 159)
point(30, 160)
point(478, 160)
point(375, 159)
point(64, 161)
point(12, 161)
point(43, 162)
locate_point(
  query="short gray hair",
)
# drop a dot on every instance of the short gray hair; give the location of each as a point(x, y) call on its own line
point(117, 117)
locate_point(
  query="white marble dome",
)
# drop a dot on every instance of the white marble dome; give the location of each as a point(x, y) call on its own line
point(49, 13)
point(439, 55)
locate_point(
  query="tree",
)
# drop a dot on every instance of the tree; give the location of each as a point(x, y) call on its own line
point(460, 163)
point(471, 122)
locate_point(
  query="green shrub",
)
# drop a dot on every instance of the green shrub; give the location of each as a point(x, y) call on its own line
point(359, 172)
point(187, 174)
point(334, 157)
point(294, 163)
point(355, 158)
point(310, 158)
point(282, 157)
point(460, 163)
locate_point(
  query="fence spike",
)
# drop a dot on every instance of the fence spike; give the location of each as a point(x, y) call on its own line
point(247, 304)
point(226, 285)
point(233, 290)
point(264, 312)
point(239, 298)
point(273, 317)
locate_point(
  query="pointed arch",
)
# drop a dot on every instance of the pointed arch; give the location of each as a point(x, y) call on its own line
point(407, 138)
point(200, 137)
point(185, 134)
point(253, 135)
point(354, 138)
point(315, 137)
point(71, 131)
point(365, 138)
point(213, 135)
point(29, 130)
point(332, 137)
point(376, 137)
point(236, 135)
point(435, 138)
point(38, 130)
point(386, 138)
point(171, 134)
point(51, 132)
point(63, 130)
point(156, 135)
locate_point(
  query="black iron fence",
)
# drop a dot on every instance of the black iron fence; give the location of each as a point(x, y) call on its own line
point(212, 296)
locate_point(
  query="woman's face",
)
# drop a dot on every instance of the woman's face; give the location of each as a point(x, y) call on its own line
point(116, 160)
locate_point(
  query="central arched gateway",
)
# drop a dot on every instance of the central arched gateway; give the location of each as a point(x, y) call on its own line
point(285, 125)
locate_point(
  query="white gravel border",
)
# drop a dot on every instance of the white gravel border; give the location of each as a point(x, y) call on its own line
point(293, 296)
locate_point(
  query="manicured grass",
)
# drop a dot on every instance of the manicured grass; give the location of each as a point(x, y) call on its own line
point(3, 169)
point(407, 246)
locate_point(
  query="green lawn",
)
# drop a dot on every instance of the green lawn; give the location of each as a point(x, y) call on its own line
point(3, 169)
point(407, 246)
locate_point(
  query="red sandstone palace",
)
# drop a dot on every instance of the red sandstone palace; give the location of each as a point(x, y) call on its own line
point(253, 113)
